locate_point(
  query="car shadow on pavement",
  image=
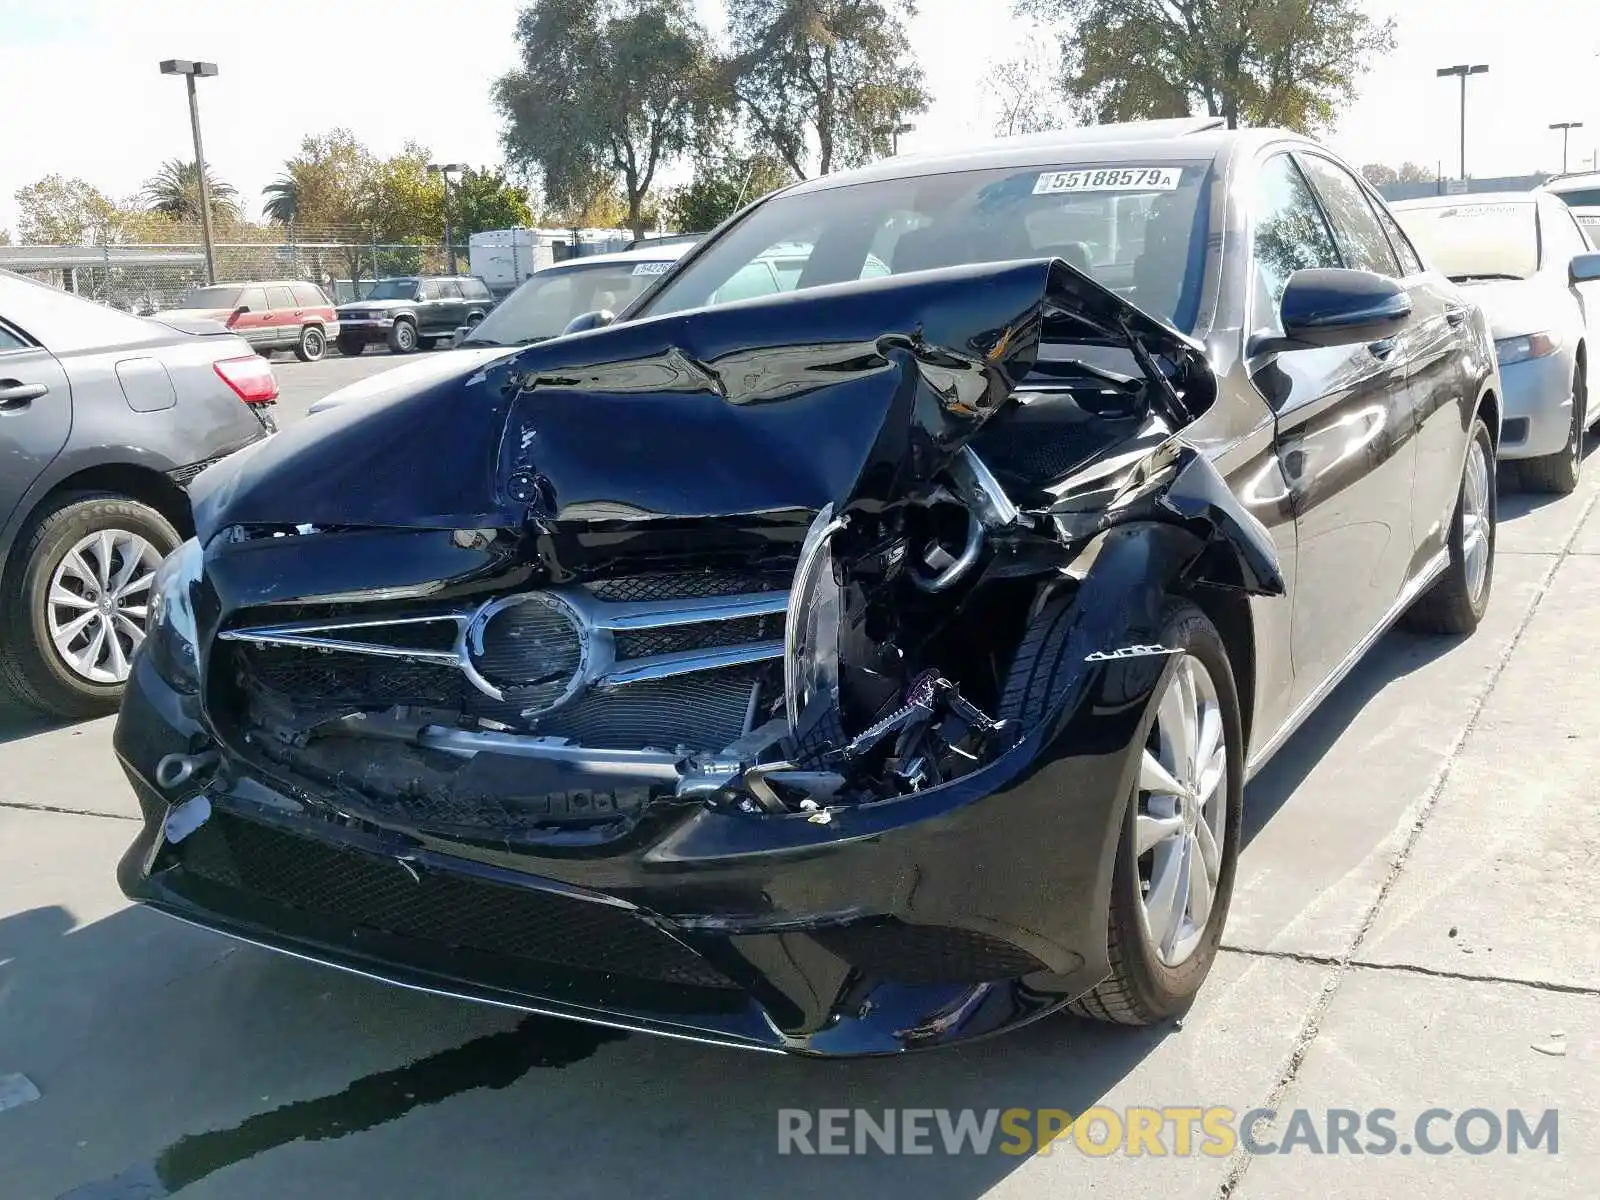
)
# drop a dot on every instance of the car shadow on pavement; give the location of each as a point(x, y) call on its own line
point(165, 1054)
point(18, 721)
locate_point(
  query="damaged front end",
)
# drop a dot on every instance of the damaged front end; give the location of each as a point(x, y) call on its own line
point(720, 624)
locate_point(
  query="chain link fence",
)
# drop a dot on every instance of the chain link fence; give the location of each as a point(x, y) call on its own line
point(148, 277)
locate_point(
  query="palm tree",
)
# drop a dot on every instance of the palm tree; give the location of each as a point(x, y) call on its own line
point(175, 190)
point(283, 199)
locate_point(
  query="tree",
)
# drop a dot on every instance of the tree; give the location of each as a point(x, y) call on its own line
point(606, 89)
point(175, 190)
point(1379, 175)
point(327, 185)
point(282, 200)
point(836, 74)
point(61, 211)
point(485, 199)
point(1410, 172)
point(724, 183)
point(1020, 88)
point(1259, 62)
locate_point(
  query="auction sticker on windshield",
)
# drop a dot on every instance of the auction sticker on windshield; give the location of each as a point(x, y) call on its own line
point(1110, 179)
point(651, 268)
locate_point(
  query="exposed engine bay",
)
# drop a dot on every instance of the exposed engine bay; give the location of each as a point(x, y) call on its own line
point(840, 626)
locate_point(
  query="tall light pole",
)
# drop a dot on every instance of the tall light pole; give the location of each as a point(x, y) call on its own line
point(443, 171)
point(1463, 70)
point(190, 72)
point(1566, 128)
point(894, 131)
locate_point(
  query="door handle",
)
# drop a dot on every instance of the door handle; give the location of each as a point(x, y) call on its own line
point(15, 394)
point(1456, 315)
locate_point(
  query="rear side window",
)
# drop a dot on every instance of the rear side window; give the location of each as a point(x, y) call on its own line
point(449, 289)
point(1361, 240)
point(308, 295)
point(428, 289)
point(1290, 233)
point(254, 298)
point(280, 297)
point(474, 289)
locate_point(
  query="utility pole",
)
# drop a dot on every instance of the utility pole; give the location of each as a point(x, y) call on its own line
point(443, 171)
point(1462, 70)
point(1566, 128)
point(893, 132)
point(190, 72)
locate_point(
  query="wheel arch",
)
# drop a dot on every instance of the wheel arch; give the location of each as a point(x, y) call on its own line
point(137, 482)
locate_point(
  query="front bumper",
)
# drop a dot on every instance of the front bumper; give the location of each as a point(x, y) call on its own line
point(366, 329)
point(1538, 406)
point(951, 914)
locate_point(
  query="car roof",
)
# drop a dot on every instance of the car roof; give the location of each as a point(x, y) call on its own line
point(1468, 199)
point(1181, 139)
point(668, 253)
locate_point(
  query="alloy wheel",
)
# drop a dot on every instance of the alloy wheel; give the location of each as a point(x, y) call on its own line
point(1476, 520)
point(1180, 822)
point(98, 604)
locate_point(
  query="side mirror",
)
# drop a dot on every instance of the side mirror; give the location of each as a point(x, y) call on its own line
point(1584, 268)
point(1329, 306)
point(241, 310)
point(584, 322)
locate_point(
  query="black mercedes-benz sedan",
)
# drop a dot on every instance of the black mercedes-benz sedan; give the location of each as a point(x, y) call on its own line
point(846, 659)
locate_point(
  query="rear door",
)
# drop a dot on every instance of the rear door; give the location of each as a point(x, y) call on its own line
point(452, 305)
point(283, 317)
point(1344, 429)
point(35, 414)
point(255, 323)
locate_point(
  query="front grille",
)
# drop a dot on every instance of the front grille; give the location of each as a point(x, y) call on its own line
point(705, 711)
point(452, 911)
point(684, 585)
point(673, 639)
point(323, 678)
point(926, 954)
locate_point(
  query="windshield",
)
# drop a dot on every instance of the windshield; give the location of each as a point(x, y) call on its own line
point(212, 297)
point(1476, 241)
point(393, 289)
point(549, 299)
point(1136, 228)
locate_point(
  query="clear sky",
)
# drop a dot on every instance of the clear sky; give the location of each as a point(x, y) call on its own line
point(80, 93)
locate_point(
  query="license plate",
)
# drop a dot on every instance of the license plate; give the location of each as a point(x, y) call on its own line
point(1109, 179)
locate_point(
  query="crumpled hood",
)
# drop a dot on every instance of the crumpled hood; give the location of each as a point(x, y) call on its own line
point(857, 392)
point(418, 373)
point(1516, 307)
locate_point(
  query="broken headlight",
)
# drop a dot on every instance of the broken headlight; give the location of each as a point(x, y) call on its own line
point(171, 639)
point(811, 627)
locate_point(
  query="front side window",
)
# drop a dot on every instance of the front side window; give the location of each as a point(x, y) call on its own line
point(1560, 238)
point(1290, 233)
point(1360, 238)
point(10, 341)
point(1137, 228)
point(448, 289)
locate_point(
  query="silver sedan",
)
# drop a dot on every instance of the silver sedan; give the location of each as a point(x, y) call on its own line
point(1529, 266)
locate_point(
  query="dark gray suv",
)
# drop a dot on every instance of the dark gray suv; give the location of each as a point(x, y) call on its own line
point(104, 420)
point(412, 311)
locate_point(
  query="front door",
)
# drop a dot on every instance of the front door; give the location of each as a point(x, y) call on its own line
point(1345, 428)
point(254, 322)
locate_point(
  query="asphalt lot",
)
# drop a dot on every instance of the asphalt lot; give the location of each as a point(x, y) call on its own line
point(1413, 927)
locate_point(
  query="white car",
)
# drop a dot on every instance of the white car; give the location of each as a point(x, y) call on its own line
point(1580, 193)
point(1525, 261)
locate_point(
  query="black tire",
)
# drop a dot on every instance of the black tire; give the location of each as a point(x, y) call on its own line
point(350, 347)
point(313, 344)
point(265, 352)
point(402, 337)
point(1141, 989)
point(1558, 473)
point(30, 667)
point(1449, 607)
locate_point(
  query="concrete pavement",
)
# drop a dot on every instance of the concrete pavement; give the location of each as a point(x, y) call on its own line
point(1412, 928)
